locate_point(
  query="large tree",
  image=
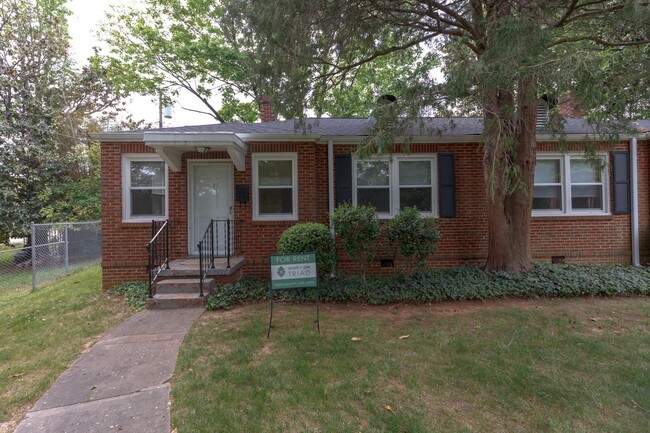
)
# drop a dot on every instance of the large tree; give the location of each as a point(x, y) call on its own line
point(163, 47)
point(499, 57)
point(46, 105)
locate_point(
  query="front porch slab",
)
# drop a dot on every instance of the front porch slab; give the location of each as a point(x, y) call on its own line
point(190, 267)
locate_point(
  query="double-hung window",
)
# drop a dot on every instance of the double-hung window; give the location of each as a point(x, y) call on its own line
point(144, 187)
point(570, 184)
point(391, 185)
point(275, 186)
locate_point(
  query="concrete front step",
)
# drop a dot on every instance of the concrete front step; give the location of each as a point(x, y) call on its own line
point(176, 300)
point(183, 285)
point(180, 293)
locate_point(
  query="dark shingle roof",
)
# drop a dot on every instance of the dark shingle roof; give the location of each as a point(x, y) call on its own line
point(453, 126)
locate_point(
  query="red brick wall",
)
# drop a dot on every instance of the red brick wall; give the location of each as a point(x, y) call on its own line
point(464, 238)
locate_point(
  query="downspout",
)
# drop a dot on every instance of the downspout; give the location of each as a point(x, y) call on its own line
point(636, 260)
point(330, 182)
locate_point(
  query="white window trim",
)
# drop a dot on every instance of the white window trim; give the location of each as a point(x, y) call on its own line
point(284, 156)
point(565, 175)
point(127, 158)
point(393, 181)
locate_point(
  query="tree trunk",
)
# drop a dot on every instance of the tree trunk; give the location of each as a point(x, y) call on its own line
point(509, 167)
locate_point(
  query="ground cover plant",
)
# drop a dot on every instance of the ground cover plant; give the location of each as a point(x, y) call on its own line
point(44, 331)
point(510, 365)
point(460, 283)
point(135, 293)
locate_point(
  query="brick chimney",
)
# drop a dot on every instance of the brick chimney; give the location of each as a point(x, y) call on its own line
point(568, 106)
point(266, 109)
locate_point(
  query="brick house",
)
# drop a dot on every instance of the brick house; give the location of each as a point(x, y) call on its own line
point(255, 180)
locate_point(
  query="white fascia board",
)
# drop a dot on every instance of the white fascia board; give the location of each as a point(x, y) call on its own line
point(418, 139)
point(278, 137)
point(192, 139)
point(576, 137)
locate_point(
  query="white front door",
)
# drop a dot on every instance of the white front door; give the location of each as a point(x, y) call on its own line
point(210, 199)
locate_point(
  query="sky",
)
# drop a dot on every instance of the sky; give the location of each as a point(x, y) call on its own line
point(82, 26)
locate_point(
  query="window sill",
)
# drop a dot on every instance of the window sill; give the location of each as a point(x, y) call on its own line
point(574, 216)
point(141, 223)
point(278, 219)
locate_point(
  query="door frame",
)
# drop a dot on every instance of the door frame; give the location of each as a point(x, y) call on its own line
point(191, 163)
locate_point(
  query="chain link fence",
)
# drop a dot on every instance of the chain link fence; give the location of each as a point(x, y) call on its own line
point(52, 251)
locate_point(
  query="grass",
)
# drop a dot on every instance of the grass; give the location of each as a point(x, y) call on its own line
point(12, 276)
point(44, 331)
point(569, 365)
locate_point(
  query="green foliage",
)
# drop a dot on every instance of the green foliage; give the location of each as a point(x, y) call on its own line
point(311, 237)
point(357, 227)
point(163, 46)
point(45, 113)
point(489, 70)
point(135, 293)
point(413, 236)
point(246, 290)
point(460, 283)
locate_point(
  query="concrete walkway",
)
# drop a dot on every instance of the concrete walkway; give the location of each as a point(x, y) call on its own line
point(121, 384)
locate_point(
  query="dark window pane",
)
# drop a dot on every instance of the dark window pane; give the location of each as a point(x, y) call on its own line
point(147, 173)
point(148, 202)
point(372, 173)
point(275, 173)
point(415, 172)
point(586, 197)
point(418, 197)
point(583, 171)
point(276, 201)
point(547, 197)
point(377, 197)
point(547, 171)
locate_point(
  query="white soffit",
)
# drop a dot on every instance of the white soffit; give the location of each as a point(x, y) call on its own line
point(171, 145)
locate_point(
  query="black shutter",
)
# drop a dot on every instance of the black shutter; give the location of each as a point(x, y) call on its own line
point(343, 179)
point(446, 185)
point(621, 182)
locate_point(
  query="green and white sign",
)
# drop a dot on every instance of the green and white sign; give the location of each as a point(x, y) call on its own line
point(292, 271)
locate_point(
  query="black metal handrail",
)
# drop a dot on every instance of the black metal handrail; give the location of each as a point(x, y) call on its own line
point(206, 255)
point(157, 251)
point(221, 239)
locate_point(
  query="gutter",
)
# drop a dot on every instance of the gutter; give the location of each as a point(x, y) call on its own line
point(330, 182)
point(634, 196)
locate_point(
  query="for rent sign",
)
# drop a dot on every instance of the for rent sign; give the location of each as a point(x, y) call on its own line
point(292, 271)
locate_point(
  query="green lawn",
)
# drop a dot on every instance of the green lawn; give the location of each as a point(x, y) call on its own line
point(568, 365)
point(44, 331)
point(11, 276)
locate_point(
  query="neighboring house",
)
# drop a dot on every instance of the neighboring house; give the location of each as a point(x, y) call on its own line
point(267, 176)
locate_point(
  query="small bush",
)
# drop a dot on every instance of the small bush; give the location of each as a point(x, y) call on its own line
point(412, 236)
point(358, 228)
point(135, 293)
point(311, 237)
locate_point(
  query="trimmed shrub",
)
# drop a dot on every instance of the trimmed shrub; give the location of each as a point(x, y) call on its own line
point(412, 236)
point(358, 228)
point(311, 237)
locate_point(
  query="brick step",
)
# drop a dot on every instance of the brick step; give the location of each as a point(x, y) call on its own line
point(176, 300)
point(183, 285)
